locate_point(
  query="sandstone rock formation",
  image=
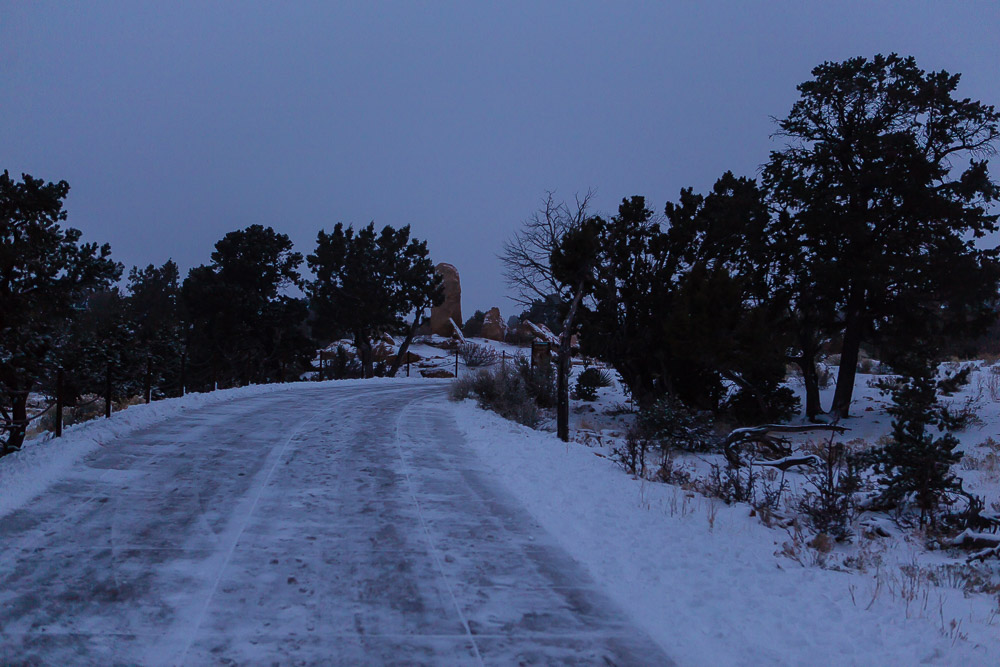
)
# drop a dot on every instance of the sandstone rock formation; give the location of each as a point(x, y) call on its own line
point(451, 309)
point(494, 327)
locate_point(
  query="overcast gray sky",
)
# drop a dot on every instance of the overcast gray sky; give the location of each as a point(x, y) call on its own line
point(175, 123)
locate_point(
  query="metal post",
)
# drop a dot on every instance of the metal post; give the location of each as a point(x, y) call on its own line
point(321, 365)
point(59, 402)
point(148, 386)
point(107, 392)
point(503, 360)
point(407, 364)
point(456, 362)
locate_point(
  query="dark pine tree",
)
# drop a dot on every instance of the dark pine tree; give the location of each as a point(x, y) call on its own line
point(154, 311)
point(45, 274)
point(368, 283)
point(99, 345)
point(687, 308)
point(474, 325)
point(878, 205)
point(243, 328)
point(916, 462)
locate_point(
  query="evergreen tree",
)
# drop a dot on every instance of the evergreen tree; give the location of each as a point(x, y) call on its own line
point(243, 329)
point(878, 207)
point(99, 345)
point(154, 310)
point(45, 273)
point(474, 325)
point(916, 463)
point(548, 312)
point(688, 307)
point(367, 283)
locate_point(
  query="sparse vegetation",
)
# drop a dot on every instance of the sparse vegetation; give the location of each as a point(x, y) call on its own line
point(514, 391)
point(589, 381)
point(476, 355)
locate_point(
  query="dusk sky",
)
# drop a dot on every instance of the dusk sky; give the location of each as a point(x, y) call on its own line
point(175, 123)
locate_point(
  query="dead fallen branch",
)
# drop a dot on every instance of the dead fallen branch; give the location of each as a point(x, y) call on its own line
point(987, 543)
point(767, 441)
point(787, 462)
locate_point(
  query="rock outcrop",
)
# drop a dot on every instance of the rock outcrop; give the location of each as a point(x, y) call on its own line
point(450, 309)
point(494, 327)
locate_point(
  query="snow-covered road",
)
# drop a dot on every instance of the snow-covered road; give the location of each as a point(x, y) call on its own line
point(322, 524)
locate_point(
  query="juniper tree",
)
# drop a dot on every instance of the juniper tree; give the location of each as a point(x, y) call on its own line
point(684, 306)
point(474, 325)
point(155, 312)
point(367, 283)
point(880, 208)
point(45, 273)
point(243, 327)
point(99, 347)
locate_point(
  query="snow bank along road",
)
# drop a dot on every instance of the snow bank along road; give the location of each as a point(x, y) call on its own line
point(320, 525)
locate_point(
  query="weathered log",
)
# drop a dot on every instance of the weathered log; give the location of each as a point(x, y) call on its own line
point(791, 461)
point(763, 436)
point(969, 539)
point(765, 430)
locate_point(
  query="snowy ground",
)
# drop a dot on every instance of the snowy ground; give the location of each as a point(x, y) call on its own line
point(705, 579)
point(352, 520)
point(322, 523)
point(724, 589)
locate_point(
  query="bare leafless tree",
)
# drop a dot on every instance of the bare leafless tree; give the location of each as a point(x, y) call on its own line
point(528, 270)
point(526, 255)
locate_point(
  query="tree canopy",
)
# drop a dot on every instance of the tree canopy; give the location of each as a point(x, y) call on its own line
point(368, 282)
point(882, 210)
point(45, 272)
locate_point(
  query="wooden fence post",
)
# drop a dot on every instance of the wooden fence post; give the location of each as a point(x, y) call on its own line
point(183, 372)
point(456, 362)
point(107, 392)
point(59, 402)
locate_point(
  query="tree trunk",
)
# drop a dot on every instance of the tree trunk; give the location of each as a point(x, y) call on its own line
point(849, 353)
point(806, 362)
point(19, 422)
point(563, 362)
point(810, 377)
point(364, 345)
point(404, 348)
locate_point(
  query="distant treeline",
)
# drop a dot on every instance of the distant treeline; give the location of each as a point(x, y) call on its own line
point(229, 323)
point(859, 232)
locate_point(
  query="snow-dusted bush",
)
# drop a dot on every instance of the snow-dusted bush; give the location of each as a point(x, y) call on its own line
point(515, 391)
point(632, 453)
point(502, 390)
point(672, 425)
point(916, 462)
point(829, 501)
point(475, 355)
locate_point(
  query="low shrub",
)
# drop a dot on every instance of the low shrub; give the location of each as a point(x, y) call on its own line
point(502, 390)
point(475, 355)
point(589, 381)
point(829, 501)
point(672, 425)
